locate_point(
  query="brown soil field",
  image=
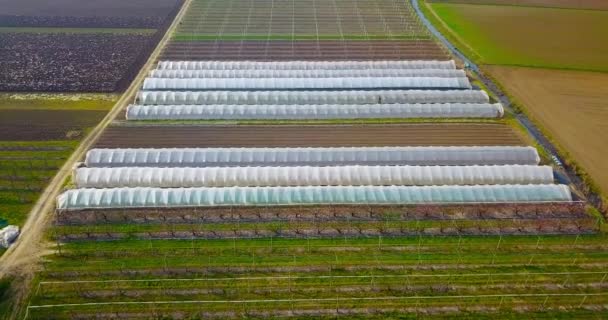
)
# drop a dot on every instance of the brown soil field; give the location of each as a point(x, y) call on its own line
point(431, 134)
point(70, 62)
point(574, 4)
point(571, 105)
point(304, 50)
point(29, 125)
point(79, 8)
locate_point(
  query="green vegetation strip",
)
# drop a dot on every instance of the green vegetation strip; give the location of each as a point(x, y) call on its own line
point(57, 101)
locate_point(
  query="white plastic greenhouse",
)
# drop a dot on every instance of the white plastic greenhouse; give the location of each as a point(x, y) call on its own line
point(304, 65)
point(305, 83)
point(226, 157)
point(315, 73)
point(291, 112)
point(262, 196)
point(310, 176)
point(311, 97)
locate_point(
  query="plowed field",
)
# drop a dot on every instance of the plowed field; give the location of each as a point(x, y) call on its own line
point(30, 125)
point(308, 136)
point(571, 105)
point(305, 50)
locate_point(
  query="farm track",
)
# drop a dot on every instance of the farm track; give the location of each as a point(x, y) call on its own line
point(183, 136)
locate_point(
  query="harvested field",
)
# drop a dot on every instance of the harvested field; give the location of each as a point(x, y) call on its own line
point(577, 4)
point(305, 50)
point(28, 125)
point(448, 134)
point(527, 36)
point(571, 105)
point(69, 62)
point(78, 8)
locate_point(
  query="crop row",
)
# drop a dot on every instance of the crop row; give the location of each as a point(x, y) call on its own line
point(325, 213)
point(363, 276)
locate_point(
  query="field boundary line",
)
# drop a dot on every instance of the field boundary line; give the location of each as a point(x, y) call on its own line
point(523, 295)
point(457, 275)
point(27, 246)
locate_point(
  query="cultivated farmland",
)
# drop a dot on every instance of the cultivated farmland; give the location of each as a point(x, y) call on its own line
point(37, 135)
point(67, 62)
point(571, 105)
point(73, 47)
point(89, 14)
point(301, 30)
point(567, 104)
point(307, 136)
point(527, 36)
point(578, 4)
point(284, 186)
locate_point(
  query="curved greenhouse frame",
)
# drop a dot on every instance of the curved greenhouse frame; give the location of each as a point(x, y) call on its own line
point(265, 196)
point(311, 97)
point(305, 65)
point(311, 176)
point(304, 112)
point(315, 73)
point(226, 157)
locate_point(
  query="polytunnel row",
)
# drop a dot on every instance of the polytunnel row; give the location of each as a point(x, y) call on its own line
point(247, 90)
point(311, 73)
point(341, 83)
point(310, 97)
point(310, 195)
point(310, 176)
point(370, 156)
point(303, 112)
point(209, 177)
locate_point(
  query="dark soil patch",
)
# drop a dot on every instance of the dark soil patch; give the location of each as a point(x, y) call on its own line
point(28, 125)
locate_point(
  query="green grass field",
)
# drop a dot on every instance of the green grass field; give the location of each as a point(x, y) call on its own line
point(526, 36)
point(27, 166)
